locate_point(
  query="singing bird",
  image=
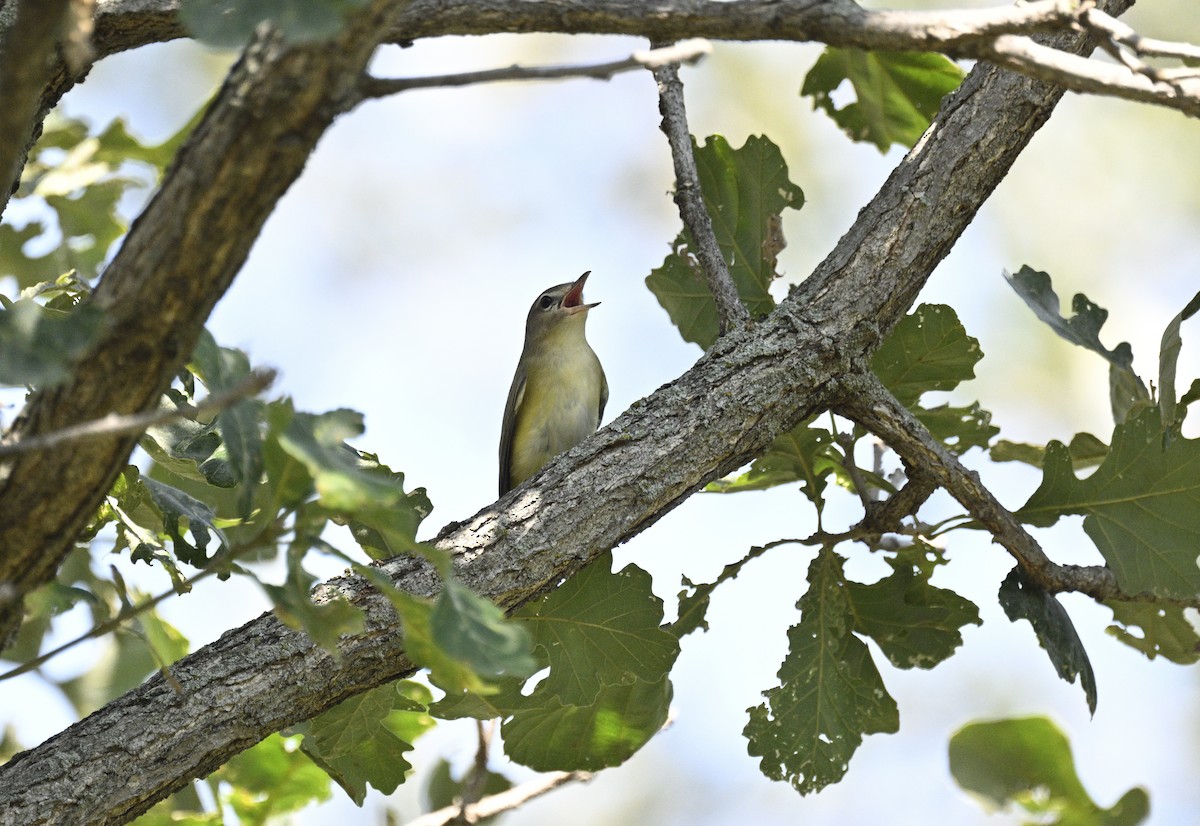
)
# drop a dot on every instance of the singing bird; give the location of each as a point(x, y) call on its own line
point(558, 394)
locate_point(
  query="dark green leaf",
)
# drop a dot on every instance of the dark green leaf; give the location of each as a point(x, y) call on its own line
point(1156, 630)
point(897, 93)
point(229, 25)
point(474, 631)
point(1085, 451)
point(927, 350)
point(183, 513)
point(745, 191)
point(830, 693)
point(324, 622)
point(1168, 361)
point(443, 789)
point(550, 735)
point(959, 428)
point(39, 346)
point(356, 743)
point(1141, 506)
point(1021, 599)
point(1028, 762)
point(599, 628)
point(914, 623)
point(188, 448)
point(803, 454)
point(1083, 328)
point(693, 605)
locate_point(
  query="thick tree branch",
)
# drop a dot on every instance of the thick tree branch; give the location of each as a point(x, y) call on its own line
point(731, 312)
point(26, 57)
point(164, 281)
point(264, 676)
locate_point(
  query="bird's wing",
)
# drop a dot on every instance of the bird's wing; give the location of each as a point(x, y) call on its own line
point(603, 396)
point(516, 394)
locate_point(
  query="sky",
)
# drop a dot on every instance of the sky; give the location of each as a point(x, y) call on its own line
point(394, 279)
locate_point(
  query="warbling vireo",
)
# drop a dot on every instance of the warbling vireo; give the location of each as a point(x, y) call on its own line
point(559, 391)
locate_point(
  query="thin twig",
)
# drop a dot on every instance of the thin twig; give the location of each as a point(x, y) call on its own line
point(687, 51)
point(731, 313)
point(116, 424)
point(504, 801)
point(872, 405)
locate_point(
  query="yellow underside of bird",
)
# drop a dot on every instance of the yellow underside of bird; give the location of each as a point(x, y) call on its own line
point(558, 408)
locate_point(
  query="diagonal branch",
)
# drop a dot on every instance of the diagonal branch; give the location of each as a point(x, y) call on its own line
point(264, 676)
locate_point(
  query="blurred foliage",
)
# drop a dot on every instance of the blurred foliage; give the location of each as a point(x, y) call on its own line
point(230, 24)
point(1027, 762)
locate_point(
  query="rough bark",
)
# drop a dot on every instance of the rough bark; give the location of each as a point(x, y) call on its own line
point(263, 676)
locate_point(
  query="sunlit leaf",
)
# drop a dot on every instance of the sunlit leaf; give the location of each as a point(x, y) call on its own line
point(896, 93)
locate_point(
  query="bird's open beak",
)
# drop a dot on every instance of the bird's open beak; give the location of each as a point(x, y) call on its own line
point(573, 301)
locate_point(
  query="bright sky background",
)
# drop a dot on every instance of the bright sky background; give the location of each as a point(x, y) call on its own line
point(394, 279)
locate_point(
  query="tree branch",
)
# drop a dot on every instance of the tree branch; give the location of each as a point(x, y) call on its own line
point(869, 403)
point(731, 312)
point(503, 802)
point(690, 51)
point(264, 676)
point(26, 53)
point(137, 423)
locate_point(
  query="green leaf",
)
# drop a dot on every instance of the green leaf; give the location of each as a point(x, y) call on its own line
point(928, 349)
point(39, 346)
point(182, 513)
point(1083, 329)
point(830, 693)
point(959, 428)
point(1156, 630)
point(447, 672)
point(1141, 506)
point(745, 191)
point(1168, 361)
point(229, 25)
point(606, 693)
point(693, 605)
point(1022, 599)
point(915, 624)
point(897, 93)
point(1028, 762)
point(443, 789)
point(364, 493)
point(1085, 451)
point(271, 779)
point(188, 448)
point(804, 454)
point(551, 735)
point(599, 628)
point(356, 742)
point(239, 425)
point(324, 622)
point(474, 631)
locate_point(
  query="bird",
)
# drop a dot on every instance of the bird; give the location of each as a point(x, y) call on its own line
point(559, 391)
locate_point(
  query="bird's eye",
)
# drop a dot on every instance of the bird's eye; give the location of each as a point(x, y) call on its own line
point(545, 302)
